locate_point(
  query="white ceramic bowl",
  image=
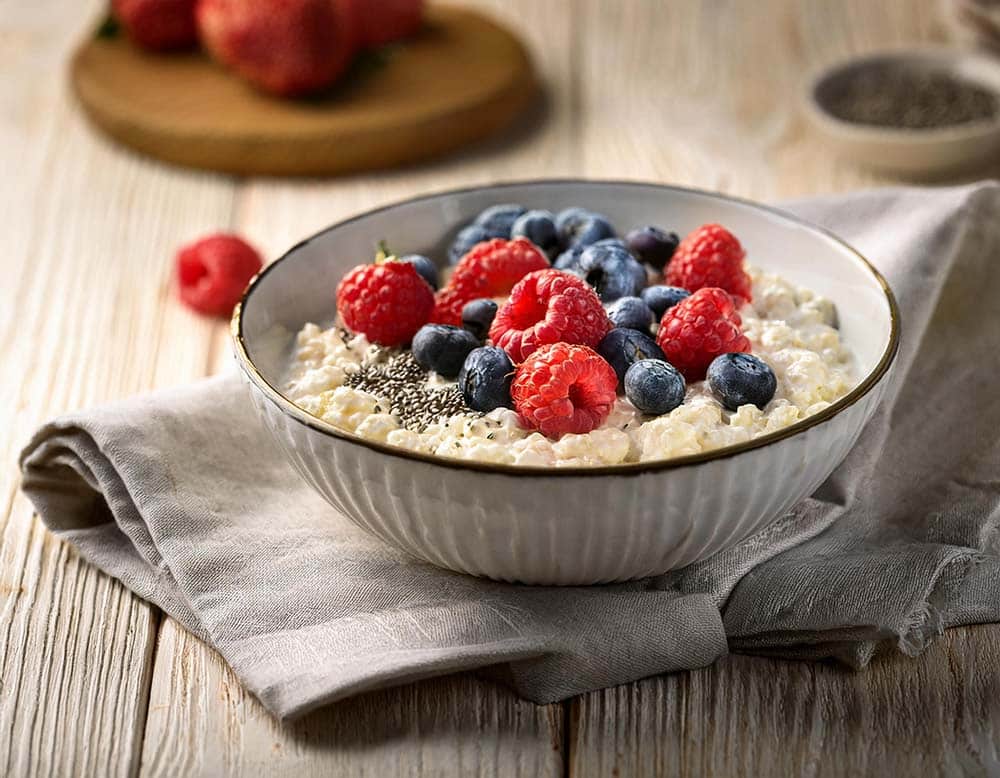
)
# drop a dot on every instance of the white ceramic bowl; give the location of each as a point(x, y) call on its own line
point(923, 152)
point(573, 525)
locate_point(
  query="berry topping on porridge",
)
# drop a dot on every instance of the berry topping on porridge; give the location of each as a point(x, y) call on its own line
point(700, 328)
point(386, 302)
point(710, 256)
point(621, 351)
point(564, 388)
point(549, 306)
point(490, 269)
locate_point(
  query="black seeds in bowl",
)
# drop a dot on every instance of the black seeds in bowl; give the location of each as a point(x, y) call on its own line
point(898, 96)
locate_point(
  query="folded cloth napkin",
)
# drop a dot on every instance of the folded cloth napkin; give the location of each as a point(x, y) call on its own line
point(182, 496)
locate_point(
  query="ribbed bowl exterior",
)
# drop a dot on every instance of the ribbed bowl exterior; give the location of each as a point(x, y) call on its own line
point(569, 529)
point(573, 526)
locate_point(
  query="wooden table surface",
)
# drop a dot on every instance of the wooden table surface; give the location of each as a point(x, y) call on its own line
point(94, 681)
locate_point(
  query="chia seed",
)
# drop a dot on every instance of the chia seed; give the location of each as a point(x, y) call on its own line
point(890, 95)
point(397, 378)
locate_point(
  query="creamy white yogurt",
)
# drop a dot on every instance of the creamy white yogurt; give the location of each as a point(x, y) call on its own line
point(789, 327)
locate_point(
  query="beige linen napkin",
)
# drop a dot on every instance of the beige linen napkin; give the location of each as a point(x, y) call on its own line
point(184, 498)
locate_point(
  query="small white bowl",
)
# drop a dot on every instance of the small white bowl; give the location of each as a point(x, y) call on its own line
point(567, 525)
point(919, 152)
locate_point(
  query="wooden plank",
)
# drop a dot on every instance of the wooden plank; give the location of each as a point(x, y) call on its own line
point(204, 724)
point(200, 722)
point(90, 317)
point(720, 112)
point(460, 80)
point(747, 716)
point(708, 94)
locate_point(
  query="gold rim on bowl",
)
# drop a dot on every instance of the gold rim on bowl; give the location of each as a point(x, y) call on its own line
point(289, 408)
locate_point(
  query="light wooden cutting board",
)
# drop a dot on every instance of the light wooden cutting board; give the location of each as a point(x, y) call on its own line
point(462, 78)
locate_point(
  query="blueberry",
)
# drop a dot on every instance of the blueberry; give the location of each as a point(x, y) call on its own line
point(427, 269)
point(660, 298)
point(622, 348)
point(592, 230)
point(568, 220)
point(612, 242)
point(654, 386)
point(741, 379)
point(569, 261)
point(581, 227)
point(540, 228)
point(443, 348)
point(485, 379)
point(467, 238)
point(652, 245)
point(630, 313)
point(477, 316)
point(636, 268)
point(611, 270)
point(497, 220)
point(638, 271)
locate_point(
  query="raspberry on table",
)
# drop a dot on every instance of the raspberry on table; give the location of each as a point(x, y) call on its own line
point(549, 306)
point(700, 328)
point(711, 256)
point(490, 269)
point(564, 388)
point(214, 271)
point(386, 302)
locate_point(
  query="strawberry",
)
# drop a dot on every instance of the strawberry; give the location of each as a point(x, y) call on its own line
point(158, 25)
point(285, 47)
point(384, 21)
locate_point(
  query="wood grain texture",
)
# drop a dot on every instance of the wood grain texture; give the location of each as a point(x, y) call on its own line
point(747, 716)
point(691, 92)
point(459, 726)
point(725, 94)
point(86, 317)
point(460, 79)
point(708, 94)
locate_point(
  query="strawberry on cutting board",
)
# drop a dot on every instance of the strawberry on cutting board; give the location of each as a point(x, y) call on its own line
point(385, 21)
point(158, 25)
point(284, 47)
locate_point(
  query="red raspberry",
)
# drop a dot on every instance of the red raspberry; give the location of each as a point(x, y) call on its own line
point(710, 256)
point(564, 388)
point(698, 329)
point(386, 302)
point(490, 269)
point(549, 306)
point(214, 271)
